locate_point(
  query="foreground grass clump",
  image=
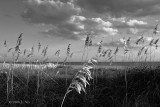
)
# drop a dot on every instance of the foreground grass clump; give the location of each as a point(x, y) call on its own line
point(143, 89)
point(105, 90)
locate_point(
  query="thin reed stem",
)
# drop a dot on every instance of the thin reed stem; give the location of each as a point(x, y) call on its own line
point(37, 82)
point(126, 83)
point(68, 91)
point(66, 76)
point(12, 83)
point(83, 54)
point(150, 57)
point(8, 78)
point(28, 78)
point(88, 50)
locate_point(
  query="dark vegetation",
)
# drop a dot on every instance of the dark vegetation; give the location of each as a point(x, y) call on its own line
point(107, 89)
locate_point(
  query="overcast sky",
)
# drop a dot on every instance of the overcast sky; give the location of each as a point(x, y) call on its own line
point(57, 23)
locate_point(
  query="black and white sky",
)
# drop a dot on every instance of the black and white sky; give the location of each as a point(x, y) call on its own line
point(57, 23)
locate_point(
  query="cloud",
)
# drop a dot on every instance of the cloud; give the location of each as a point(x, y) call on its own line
point(102, 22)
point(67, 31)
point(121, 8)
point(65, 19)
point(134, 26)
point(138, 26)
point(99, 27)
point(149, 39)
point(49, 11)
point(56, 13)
point(79, 25)
point(134, 30)
point(130, 26)
point(121, 19)
point(136, 22)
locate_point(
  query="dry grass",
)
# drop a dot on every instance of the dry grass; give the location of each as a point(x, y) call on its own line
point(143, 88)
point(47, 84)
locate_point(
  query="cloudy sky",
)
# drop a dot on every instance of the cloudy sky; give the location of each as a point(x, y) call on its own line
point(57, 23)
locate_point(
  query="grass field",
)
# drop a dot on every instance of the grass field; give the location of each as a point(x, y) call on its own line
point(46, 87)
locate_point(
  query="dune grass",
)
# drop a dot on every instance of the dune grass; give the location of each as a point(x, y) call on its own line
point(143, 88)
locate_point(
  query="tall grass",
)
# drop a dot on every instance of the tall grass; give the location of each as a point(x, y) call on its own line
point(80, 81)
point(83, 76)
point(143, 89)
